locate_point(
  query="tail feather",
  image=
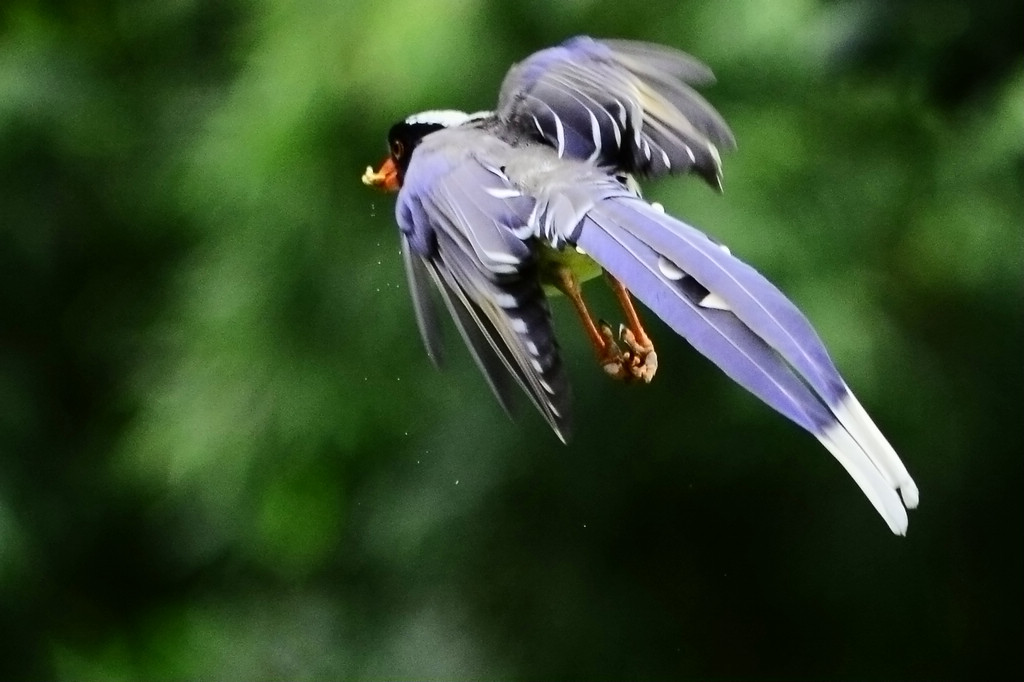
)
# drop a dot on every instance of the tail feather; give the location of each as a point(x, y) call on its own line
point(746, 326)
point(718, 334)
point(852, 415)
point(755, 300)
point(861, 467)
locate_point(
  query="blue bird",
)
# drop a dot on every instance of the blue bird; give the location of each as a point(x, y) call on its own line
point(499, 209)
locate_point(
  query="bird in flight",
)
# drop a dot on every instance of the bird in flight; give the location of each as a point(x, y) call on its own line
point(499, 209)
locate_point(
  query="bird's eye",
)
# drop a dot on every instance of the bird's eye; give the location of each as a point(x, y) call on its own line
point(397, 149)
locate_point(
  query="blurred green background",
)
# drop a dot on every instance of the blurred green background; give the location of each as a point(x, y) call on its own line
point(224, 454)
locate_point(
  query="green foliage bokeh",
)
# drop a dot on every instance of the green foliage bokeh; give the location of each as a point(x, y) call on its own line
point(224, 454)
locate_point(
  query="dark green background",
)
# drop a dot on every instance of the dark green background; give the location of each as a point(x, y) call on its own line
point(224, 455)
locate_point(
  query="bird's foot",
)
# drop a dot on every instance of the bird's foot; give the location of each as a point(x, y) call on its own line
point(638, 362)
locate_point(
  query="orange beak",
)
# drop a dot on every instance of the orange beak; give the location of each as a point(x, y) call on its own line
point(386, 177)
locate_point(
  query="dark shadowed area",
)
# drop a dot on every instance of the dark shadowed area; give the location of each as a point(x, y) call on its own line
point(224, 454)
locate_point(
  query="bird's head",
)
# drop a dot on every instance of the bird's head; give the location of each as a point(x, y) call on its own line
point(405, 136)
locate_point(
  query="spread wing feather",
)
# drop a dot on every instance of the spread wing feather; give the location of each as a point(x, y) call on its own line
point(464, 238)
point(624, 105)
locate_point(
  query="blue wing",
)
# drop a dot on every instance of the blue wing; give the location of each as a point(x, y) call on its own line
point(621, 104)
point(459, 220)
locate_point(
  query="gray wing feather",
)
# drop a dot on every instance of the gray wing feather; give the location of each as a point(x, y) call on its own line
point(419, 279)
point(652, 59)
point(460, 218)
point(625, 105)
point(518, 331)
point(475, 337)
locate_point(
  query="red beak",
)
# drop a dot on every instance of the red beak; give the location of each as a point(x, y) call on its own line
point(386, 177)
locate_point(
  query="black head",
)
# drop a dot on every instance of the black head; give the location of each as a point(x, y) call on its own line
point(405, 136)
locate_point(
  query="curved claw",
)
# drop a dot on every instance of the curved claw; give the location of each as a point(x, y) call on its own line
point(638, 362)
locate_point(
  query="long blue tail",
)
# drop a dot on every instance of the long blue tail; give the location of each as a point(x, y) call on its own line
point(745, 325)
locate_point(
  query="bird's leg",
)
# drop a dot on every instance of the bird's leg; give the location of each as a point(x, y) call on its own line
point(641, 360)
point(601, 339)
point(618, 364)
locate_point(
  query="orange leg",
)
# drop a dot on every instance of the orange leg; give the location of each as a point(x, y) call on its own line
point(643, 361)
point(633, 323)
point(569, 285)
point(640, 361)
